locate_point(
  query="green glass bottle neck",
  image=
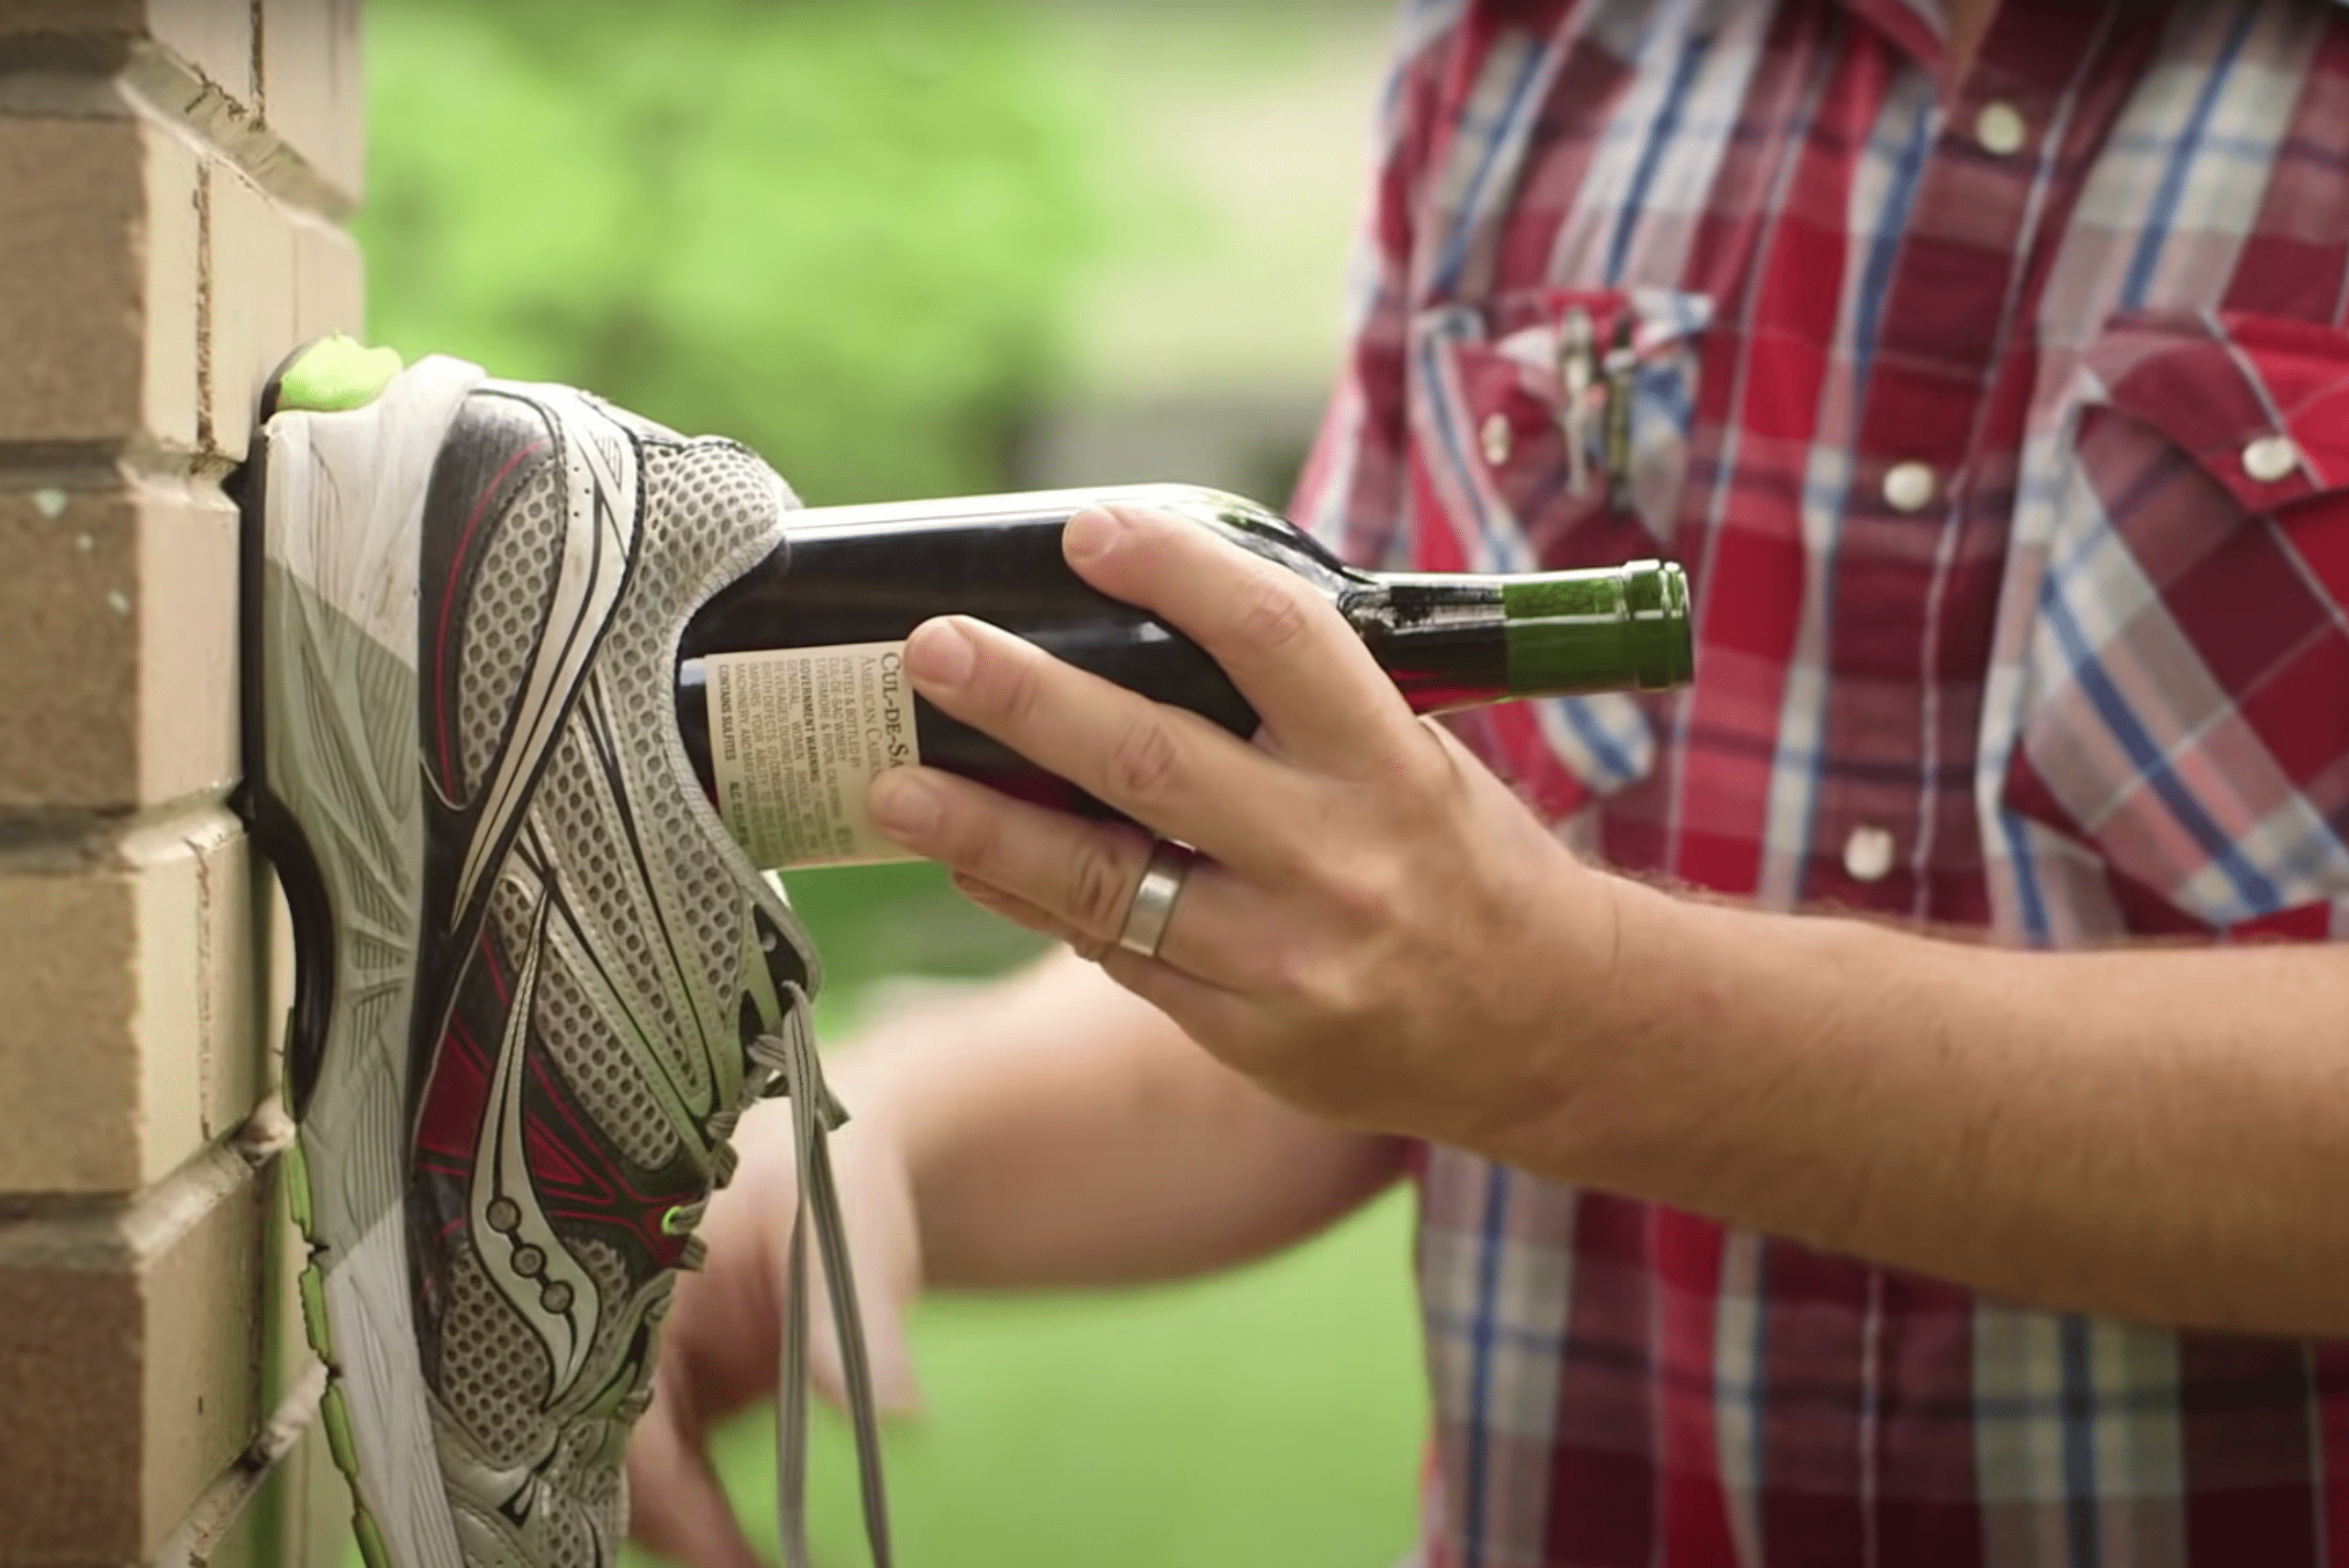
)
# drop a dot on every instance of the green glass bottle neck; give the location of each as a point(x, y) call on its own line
point(1622, 627)
point(1456, 640)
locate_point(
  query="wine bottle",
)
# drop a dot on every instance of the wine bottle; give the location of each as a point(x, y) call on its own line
point(792, 692)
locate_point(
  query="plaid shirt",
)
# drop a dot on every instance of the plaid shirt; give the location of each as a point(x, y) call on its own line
point(2003, 427)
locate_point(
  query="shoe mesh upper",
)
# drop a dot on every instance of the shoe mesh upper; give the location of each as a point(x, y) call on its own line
point(647, 949)
point(591, 1060)
point(697, 497)
point(603, 882)
point(493, 1370)
point(504, 615)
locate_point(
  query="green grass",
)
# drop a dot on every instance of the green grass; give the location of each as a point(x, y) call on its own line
point(1269, 1419)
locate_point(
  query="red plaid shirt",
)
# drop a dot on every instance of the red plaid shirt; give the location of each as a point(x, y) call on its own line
point(2003, 427)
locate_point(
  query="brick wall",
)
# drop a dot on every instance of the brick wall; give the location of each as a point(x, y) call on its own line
point(173, 174)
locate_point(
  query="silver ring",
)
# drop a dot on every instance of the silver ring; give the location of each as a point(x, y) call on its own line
point(1153, 903)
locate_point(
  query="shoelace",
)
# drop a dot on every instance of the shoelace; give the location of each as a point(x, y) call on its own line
point(791, 1056)
point(786, 1064)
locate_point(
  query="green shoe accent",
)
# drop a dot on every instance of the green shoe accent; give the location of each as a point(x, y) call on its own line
point(298, 1187)
point(314, 1311)
point(336, 1415)
point(335, 374)
point(371, 1540)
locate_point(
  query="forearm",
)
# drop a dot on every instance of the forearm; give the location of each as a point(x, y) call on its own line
point(1061, 1132)
point(2161, 1134)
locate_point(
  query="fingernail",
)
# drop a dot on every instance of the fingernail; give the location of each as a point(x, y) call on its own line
point(1091, 533)
point(941, 653)
point(904, 806)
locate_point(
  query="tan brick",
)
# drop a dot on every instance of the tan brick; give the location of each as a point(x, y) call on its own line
point(235, 1065)
point(277, 277)
point(330, 281)
point(127, 1036)
point(311, 90)
point(213, 37)
point(69, 564)
point(128, 1364)
point(263, 1511)
point(300, 1517)
point(184, 609)
point(98, 235)
point(171, 255)
point(250, 277)
point(65, 15)
point(121, 609)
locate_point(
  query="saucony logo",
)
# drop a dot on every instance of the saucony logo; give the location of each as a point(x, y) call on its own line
point(516, 1243)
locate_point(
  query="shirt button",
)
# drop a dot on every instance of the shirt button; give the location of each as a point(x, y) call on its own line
point(1909, 486)
point(2271, 458)
point(1497, 438)
point(2001, 130)
point(1867, 854)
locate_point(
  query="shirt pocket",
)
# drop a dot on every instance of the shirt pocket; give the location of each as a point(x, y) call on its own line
point(2186, 710)
point(1550, 430)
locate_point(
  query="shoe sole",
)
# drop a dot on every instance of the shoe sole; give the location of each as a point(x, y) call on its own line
point(342, 647)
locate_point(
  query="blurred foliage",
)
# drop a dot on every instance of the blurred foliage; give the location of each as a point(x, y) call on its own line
point(843, 233)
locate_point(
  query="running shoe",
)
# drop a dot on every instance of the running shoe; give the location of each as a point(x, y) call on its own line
point(537, 982)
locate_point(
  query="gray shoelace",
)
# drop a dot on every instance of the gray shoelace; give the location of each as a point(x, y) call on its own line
point(815, 1114)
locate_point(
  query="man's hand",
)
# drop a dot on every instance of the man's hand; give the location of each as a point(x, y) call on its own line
point(1380, 934)
point(1376, 925)
point(719, 1348)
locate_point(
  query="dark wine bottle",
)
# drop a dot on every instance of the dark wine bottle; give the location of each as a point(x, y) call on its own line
point(792, 692)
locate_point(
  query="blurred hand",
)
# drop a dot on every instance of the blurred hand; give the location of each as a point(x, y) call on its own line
point(1378, 930)
point(720, 1347)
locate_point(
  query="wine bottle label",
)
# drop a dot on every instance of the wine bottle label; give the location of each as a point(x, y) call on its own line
point(795, 736)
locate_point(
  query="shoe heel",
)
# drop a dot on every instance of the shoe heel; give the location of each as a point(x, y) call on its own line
point(271, 825)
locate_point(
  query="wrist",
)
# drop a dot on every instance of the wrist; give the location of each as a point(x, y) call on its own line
point(1626, 1029)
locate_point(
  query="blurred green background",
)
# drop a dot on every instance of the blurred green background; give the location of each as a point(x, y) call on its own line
point(922, 248)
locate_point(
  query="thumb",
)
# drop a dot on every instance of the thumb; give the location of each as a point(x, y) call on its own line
point(680, 1510)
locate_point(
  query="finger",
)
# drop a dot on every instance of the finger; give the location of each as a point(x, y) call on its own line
point(1207, 1012)
point(1078, 877)
point(1164, 766)
point(1019, 912)
point(1324, 698)
point(676, 1504)
point(1214, 1019)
